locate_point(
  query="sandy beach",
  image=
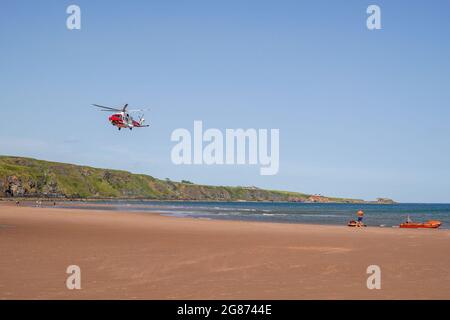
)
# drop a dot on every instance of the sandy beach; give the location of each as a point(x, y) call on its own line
point(125, 255)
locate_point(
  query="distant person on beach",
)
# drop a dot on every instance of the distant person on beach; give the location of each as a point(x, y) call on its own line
point(360, 217)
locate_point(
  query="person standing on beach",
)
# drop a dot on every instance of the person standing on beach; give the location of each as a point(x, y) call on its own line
point(360, 217)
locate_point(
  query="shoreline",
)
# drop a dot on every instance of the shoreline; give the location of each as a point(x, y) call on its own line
point(135, 255)
point(140, 207)
point(191, 218)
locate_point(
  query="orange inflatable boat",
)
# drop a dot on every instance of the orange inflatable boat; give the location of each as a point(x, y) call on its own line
point(431, 224)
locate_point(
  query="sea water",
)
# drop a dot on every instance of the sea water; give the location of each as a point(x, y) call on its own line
point(379, 215)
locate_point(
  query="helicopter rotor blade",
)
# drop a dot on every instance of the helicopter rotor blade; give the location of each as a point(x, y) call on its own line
point(138, 110)
point(106, 108)
point(124, 109)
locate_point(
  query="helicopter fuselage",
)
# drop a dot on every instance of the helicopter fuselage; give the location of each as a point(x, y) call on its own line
point(123, 120)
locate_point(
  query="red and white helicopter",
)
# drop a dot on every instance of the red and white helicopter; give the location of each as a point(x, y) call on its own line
point(121, 117)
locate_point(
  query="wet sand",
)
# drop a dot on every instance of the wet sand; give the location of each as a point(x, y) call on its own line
point(125, 255)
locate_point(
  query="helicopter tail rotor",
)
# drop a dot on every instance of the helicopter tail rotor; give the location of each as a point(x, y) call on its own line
point(141, 120)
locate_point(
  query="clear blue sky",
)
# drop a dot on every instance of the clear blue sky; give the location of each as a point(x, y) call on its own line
point(361, 113)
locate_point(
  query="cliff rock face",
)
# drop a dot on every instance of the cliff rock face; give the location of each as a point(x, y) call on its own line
point(14, 186)
point(25, 177)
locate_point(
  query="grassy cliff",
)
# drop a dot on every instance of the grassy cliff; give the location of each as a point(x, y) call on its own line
point(25, 177)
